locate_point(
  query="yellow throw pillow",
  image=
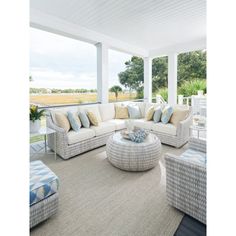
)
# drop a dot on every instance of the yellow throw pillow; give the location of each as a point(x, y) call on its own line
point(121, 112)
point(150, 113)
point(178, 115)
point(62, 121)
point(92, 118)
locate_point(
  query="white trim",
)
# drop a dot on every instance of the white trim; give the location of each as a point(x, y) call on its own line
point(102, 73)
point(179, 48)
point(147, 79)
point(172, 78)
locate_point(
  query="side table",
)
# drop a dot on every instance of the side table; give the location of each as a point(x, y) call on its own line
point(198, 129)
point(44, 132)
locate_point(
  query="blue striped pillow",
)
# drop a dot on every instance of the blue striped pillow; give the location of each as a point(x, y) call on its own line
point(166, 114)
point(84, 119)
point(157, 115)
point(134, 112)
point(74, 121)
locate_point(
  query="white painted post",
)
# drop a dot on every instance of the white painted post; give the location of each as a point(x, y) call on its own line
point(172, 78)
point(147, 79)
point(180, 99)
point(102, 73)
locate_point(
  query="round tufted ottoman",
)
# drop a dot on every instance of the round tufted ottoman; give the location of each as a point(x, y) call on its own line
point(127, 155)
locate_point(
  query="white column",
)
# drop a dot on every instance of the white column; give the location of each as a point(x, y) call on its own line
point(102, 73)
point(147, 79)
point(172, 78)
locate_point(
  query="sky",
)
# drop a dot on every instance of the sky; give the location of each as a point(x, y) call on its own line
point(60, 62)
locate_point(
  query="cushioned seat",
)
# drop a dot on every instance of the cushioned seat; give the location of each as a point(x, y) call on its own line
point(83, 134)
point(119, 123)
point(43, 182)
point(142, 123)
point(194, 156)
point(164, 128)
point(103, 128)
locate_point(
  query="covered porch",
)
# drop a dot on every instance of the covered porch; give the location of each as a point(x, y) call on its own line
point(95, 197)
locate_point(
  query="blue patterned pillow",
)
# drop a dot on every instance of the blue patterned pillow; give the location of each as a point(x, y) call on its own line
point(166, 114)
point(84, 119)
point(74, 121)
point(138, 136)
point(134, 112)
point(157, 115)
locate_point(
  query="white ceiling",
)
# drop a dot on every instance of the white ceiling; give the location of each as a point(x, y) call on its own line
point(148, 24)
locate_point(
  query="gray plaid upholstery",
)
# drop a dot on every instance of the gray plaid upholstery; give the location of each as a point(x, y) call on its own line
point(67, 151)
point(186, 181)
point(43, 209)
point(130, 156)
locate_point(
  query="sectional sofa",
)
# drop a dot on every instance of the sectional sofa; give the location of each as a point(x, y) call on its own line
point(72, 143)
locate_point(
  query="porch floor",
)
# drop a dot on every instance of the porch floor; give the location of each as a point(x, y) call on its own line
point(96, 198)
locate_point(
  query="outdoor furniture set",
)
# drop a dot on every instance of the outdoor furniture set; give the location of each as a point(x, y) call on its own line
point(73, 143)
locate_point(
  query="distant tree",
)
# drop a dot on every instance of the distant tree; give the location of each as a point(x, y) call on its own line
point(116, 89)
point(132, 77)
point(31, 78)
point(159, 73)
point(191, 66)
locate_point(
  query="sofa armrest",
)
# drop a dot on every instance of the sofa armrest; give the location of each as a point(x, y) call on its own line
point(186, 186)
point(181, 165)
point(197, 144)
point(60, 132)
point(183, 126)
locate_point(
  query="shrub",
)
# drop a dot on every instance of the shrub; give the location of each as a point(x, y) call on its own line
point(189, 88)
point(164, 93)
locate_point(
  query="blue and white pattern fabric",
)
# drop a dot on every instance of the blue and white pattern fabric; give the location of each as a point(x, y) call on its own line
point(166, 114)
point(194, 156)
point(84, 119)
point(43, 182)
point(138, 136)
point(73, 122)
point(134, 112)
point(157, 115)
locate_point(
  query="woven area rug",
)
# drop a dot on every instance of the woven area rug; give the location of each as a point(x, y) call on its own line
point(96, 198)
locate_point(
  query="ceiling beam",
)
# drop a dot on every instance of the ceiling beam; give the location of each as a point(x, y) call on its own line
point(189, 46)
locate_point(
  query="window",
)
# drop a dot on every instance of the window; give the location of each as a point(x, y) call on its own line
point(62, 70)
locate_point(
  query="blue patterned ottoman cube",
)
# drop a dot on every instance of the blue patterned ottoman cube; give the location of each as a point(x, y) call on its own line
point(43, 192)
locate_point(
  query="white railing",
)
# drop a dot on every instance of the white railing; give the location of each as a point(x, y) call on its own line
point(160, 99)
point(184, 100)
point(199, 105)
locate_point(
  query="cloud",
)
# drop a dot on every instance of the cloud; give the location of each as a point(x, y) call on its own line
point(61, 62)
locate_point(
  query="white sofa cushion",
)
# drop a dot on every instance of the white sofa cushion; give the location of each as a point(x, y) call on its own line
point(164, 128)
point(103, 128)
point(141, 106)
point(119, 123)
point(92, 108)
point(142, 123)
point(107, 111)
point(83, 134)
